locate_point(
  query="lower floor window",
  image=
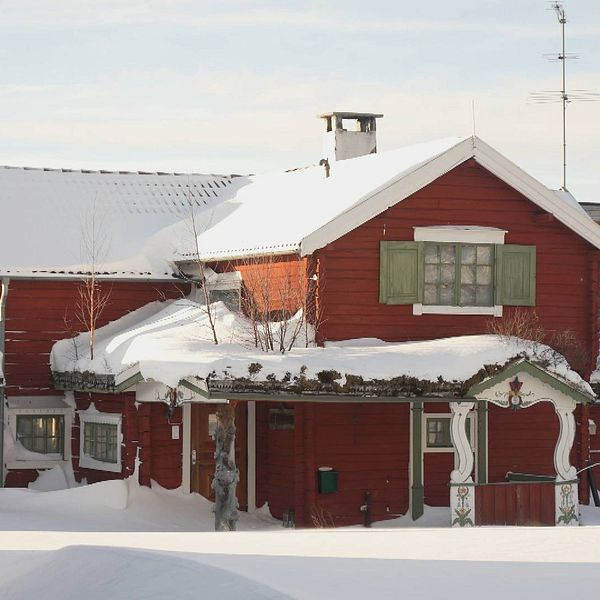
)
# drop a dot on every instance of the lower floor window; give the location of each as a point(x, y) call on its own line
point(100, 441)
point(43, 434)
point(437, 432)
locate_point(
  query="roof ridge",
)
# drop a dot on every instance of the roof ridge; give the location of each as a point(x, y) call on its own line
point(116, 172)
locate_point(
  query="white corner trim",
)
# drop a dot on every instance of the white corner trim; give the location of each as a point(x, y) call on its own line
point(435, 309)
point(92, 416)
point(186, 449)
point(466, 234)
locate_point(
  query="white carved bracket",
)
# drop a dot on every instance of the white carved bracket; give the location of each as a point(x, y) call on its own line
point(458, 431)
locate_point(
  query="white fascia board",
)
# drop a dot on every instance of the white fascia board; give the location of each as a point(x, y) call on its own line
point(389, 195)
point(535, 191)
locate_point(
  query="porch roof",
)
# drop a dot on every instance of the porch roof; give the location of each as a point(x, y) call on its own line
point(170, 342)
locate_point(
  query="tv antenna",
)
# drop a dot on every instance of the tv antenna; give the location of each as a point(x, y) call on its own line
point(563, 96)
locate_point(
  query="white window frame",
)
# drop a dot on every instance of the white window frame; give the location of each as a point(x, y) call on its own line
point(470, 419)
point(458, 234)
point(67, 413)
point(93, 416)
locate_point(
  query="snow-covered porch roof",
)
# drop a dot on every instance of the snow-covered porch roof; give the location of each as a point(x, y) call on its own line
point(171, 343)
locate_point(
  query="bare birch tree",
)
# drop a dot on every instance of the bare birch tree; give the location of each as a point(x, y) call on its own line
point(280, 301)
point(93, 296)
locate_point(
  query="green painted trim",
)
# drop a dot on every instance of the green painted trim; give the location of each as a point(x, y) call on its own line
point(417, 494)
point(128, 383)
point(194, 388)
point(408, 263)
point(482, 442)
point(525, 366)
point(503, 295)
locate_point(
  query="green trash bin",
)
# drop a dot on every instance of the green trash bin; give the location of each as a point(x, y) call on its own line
point(327, 480)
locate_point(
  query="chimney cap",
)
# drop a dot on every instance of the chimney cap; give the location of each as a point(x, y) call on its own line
point(350, 115)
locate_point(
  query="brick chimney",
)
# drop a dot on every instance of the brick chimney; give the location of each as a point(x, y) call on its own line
point(340, 143)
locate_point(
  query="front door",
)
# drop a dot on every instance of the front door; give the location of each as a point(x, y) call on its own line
point(202, 447)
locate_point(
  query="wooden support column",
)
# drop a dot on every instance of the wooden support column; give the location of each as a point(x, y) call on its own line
point(227, 474)
point(145, 444)
point(482, 442)
point(416, 488)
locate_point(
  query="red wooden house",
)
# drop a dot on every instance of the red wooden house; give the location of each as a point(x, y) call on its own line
point(428, 242)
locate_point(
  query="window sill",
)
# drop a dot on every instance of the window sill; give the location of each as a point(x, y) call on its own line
point(17, 465)
point(87, 462)
point(425, 309)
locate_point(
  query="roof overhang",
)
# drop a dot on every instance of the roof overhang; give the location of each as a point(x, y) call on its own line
point(406, 184)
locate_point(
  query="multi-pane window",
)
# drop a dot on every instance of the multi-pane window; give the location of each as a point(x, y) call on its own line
point(437, 432)
point(459, 274)
point(43, 434)
point(100, 441)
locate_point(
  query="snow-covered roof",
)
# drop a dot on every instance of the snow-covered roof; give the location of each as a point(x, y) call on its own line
point(303, 210)
point(45, 213)
point(171, 341)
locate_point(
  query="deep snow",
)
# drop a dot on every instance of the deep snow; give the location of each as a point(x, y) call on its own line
point(169, 341)
point(118, 540)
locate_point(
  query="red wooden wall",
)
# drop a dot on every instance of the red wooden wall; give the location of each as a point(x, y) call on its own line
point(368, 444)
point(521, 440)
point(467, 195)
point(275, 463)
point(515, 504)
point(40, 312)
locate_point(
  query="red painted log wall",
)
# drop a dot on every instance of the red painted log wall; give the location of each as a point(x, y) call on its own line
point(41, 312)
point(521, 440)
point(467, 195)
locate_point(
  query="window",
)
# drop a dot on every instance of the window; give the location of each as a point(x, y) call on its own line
point(457, 271)
point(38, 432)
point(42, 434)
point(458, 274)
point(100, 440)
point(230, 298)
point(437, 432)
point(281, 418)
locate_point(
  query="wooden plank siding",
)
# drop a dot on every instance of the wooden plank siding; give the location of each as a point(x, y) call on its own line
point(467, 195)
point(40, 312)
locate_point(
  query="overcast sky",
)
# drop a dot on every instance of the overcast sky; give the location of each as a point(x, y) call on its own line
point(234, 86)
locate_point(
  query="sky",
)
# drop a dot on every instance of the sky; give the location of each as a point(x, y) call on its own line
point(234, 86)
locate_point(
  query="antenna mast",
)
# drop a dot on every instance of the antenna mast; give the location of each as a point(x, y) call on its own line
point(562, 96)
point(562, 19)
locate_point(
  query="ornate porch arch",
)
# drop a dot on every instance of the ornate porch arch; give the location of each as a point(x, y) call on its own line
point(519, 386)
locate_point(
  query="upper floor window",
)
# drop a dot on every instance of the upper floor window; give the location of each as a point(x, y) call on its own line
point(452, 270)
point(458, 274)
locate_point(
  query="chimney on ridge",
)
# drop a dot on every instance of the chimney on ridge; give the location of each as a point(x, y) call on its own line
point(340, 143)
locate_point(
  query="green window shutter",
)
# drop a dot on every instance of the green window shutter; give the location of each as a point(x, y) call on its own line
point(401, 272)
point(515, 275)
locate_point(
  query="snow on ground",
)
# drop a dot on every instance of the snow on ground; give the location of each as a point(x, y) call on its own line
point(118, 540)
point(169, 341)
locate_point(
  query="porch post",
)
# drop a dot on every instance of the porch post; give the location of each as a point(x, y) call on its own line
point(416, 489)
point(227, 474)
point(462, 488)
point(566, 501)
point(482, 442)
